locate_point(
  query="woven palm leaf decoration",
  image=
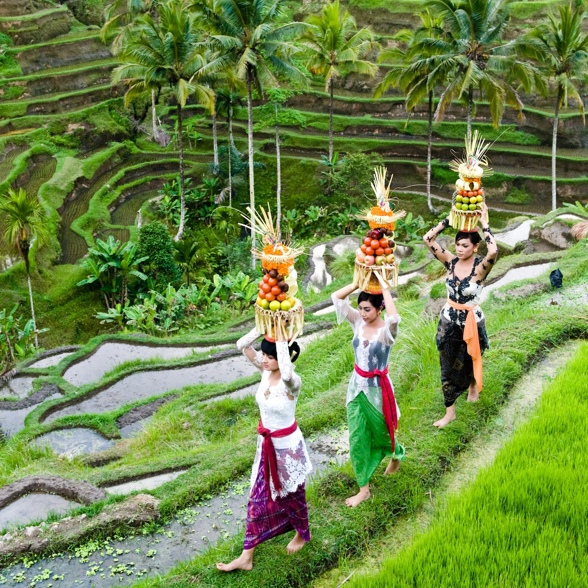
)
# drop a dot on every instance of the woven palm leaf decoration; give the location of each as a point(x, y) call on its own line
point(469, 194)
point(376, 254)
point(276, 309)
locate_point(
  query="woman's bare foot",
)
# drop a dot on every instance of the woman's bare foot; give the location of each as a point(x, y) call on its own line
point(393, 467)
point(243, 562)
point(363, 494)
point(296, 544)
point(449, 416)
point(473, 393)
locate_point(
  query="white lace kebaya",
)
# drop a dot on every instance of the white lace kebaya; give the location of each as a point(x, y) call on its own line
point(277, 406)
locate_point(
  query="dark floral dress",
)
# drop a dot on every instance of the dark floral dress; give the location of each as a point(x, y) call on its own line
point(456, 364)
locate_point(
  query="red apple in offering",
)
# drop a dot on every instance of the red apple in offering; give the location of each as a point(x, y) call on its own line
point(360, 256)
point(369, 260)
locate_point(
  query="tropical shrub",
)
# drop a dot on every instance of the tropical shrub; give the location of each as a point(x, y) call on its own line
point(114, 266)
point(197, 306)
point(157, 250)
point(17, 338)
point(352, 178)
point(410, 228)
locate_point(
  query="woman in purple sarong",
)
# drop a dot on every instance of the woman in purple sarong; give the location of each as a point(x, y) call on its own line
point(277, 503)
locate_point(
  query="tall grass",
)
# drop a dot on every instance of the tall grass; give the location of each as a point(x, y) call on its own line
point(524, 521)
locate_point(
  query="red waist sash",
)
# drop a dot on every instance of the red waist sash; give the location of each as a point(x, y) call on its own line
point(269, 453)
point(388, 400)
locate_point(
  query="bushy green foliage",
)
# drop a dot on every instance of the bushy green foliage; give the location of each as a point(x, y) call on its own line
point(17, 338)
point(518, 196)
point(155, 245)
point(197, 306)
point(354, 175)
point(115, 267)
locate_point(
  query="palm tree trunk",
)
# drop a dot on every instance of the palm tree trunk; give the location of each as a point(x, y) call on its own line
point(153, 115)
point(554, 151)
point(331, 119)
point(32, 305)
point(470, 113)
point(279, 174)
point(251, 174)
point(429, 148)
point(231, 138)
point(230, 163)
point(214, 145)
point(231, 147)
point(180, 232)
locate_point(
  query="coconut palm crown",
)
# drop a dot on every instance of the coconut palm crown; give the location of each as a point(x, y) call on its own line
point(471, 56)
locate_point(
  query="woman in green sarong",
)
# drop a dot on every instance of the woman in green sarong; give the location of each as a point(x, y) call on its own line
point(372, 412)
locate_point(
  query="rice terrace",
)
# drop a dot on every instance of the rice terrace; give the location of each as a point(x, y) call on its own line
point(293, 293)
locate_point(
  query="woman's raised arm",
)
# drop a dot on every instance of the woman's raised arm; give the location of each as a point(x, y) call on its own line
point(437, 250)
point(245, 345)
point(490, 259)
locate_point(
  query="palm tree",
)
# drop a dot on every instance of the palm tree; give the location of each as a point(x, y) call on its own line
point(166, 52)
point(414, 77)
point(227, 100)
point(247, 36)
point(561, 48)
point(335, 49)
point(24, 221)
point(470, 56)
point(119, 19)
point(186, 251)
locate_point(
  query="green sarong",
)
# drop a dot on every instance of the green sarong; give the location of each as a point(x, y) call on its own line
point(369, 440)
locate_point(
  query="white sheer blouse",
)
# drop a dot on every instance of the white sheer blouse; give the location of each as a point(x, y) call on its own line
point(370, 354)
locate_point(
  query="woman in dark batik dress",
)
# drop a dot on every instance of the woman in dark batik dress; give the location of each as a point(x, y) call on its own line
point(277, 502)
point(461, 334)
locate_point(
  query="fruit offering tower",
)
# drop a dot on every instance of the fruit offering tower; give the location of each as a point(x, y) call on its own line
point(276, 308)
point(376, 253)
point(469, 194)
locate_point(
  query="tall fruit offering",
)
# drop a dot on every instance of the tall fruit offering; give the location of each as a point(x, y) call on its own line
point(376, 254)
point(469, 194)
point(276, 308)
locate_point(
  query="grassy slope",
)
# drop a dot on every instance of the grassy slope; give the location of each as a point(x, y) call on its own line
point(518, 335)
point(523, 522)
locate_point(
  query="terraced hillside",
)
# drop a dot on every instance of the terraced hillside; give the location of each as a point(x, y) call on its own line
point(65, 133)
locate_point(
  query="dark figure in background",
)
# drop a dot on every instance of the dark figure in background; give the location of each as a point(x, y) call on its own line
point(461, 334)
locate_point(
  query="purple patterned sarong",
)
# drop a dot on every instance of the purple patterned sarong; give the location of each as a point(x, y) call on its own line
point(267, 518)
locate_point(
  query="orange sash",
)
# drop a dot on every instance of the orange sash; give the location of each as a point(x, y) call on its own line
point(470, 336)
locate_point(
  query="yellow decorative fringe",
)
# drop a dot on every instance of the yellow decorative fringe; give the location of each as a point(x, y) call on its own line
point(268, 322)
point(464, 220)
point(363, 276)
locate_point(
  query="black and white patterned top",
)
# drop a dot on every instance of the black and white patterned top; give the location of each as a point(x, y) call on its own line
point(466, 291)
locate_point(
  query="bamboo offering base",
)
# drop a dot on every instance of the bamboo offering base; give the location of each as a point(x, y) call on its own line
point(364, 276)
point(269, 322)
point(465, 220)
